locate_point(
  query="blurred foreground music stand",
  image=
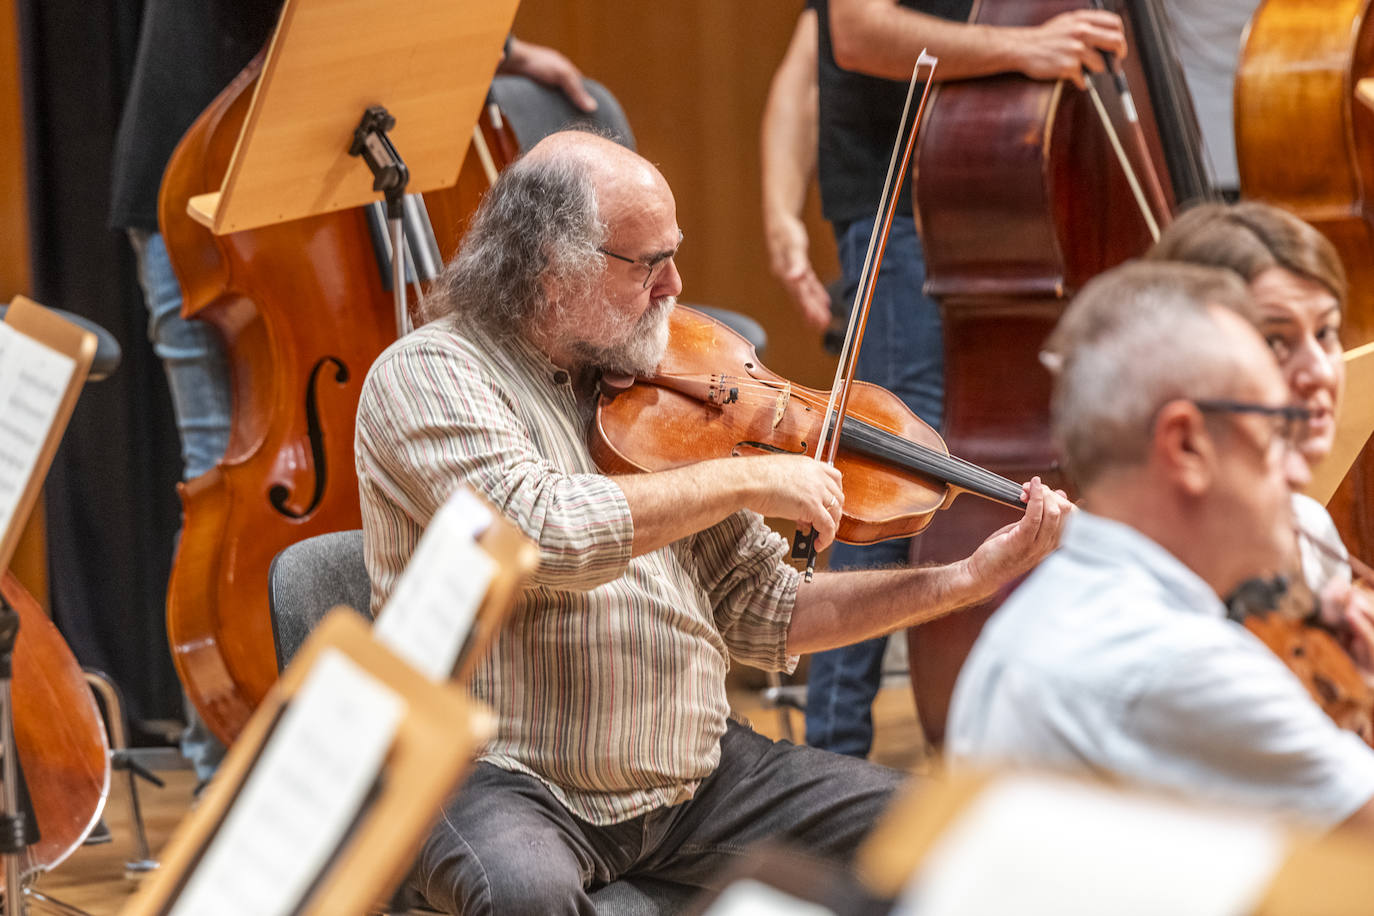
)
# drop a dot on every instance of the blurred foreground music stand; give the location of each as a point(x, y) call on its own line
point(437, 733)
point(44, 361)
point(344, 89)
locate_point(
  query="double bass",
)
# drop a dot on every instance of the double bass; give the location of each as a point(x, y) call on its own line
point(1020, 200)
point(1298, 68)
point(303, 313)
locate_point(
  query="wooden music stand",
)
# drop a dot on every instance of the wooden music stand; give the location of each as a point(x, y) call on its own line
point(1354, 424)
point(436, 616)
point(44, 361)
point(429, 62)
point(42, 326)
point(438, 734)
point(1313, 873)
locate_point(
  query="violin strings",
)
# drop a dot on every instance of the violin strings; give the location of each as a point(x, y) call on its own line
point(884, 442)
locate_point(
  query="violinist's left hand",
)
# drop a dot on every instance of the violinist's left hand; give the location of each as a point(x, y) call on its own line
point(1350, 609)
point(1018, 547)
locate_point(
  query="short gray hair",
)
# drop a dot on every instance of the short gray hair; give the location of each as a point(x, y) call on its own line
point(538, 228)
point(1135, 338)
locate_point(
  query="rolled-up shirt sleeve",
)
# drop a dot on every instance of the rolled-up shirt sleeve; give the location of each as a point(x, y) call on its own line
point(741, 564)
point(431, 418)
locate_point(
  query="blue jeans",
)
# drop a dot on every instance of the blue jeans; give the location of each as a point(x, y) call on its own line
point(198, 378)
point(903, 351)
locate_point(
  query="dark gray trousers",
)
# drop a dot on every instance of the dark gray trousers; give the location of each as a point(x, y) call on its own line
point(505, 845)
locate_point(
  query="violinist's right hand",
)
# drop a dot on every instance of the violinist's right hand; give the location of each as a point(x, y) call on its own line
point(797, 488)
point(1062, 47)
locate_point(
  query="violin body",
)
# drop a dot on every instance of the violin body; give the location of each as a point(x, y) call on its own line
point(711, 398)
point(1297, 75)
point(1020, 200)
point(58, 733)
point(303, 314)
point(1323, 666)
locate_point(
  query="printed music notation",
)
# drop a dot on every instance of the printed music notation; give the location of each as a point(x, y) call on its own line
point(301, 796)
point(33, 381)
point(430, 614)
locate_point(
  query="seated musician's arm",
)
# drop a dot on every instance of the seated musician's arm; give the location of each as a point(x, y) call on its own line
point(429, 420)
point(881, 38)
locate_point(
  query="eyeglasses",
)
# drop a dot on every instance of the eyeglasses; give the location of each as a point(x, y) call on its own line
point(1289, 420)
point(651, 264)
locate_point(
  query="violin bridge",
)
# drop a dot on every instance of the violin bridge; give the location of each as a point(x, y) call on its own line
point(780, 405)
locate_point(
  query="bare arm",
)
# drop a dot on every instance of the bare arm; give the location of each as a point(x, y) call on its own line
point(547, 66)
point(670, 505)
point(841, 608)
point(788, 148)
point(880, 38)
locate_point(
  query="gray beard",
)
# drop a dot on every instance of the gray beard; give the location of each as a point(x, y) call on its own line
point(642, 349)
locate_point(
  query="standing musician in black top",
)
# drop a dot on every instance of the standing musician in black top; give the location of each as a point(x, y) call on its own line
point(836, 100)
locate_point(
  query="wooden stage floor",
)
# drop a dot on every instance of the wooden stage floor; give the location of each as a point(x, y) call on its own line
point(93, 878)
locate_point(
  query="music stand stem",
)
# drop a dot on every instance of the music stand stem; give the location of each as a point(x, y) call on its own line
point(390, 176)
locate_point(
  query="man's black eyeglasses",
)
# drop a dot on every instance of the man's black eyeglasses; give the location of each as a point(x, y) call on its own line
point(1289, 420)
point(651, 264)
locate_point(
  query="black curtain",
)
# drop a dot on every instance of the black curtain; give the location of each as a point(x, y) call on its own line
point(112, 509)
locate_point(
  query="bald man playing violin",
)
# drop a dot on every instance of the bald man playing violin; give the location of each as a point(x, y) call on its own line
point(614, 754)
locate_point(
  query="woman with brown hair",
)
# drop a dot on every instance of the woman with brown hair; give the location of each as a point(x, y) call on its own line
point(1298, 291)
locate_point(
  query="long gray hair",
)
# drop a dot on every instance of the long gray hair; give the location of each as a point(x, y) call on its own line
point(537, 230)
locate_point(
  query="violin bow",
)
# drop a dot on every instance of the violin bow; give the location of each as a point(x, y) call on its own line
point(827, 443)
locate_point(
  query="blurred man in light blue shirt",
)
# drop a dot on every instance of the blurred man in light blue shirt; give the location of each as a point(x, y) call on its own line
point(1116, 657)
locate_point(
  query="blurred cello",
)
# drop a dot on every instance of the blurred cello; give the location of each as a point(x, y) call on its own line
point(1021, 199)
point(58, 734)
point(1297, 73)
point(303, 313)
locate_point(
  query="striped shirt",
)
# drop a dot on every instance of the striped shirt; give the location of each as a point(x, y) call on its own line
point(608, 680)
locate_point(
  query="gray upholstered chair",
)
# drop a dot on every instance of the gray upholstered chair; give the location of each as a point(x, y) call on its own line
point(309, 578)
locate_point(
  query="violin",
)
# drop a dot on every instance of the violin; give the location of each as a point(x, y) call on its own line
point(58, 733)
point(1289, 623)
point(711, 397)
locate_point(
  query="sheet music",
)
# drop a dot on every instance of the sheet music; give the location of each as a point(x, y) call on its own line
point(1055, 848)
point(33, 380)
point(754, 898)
point(300, 797)
point(429, 615)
